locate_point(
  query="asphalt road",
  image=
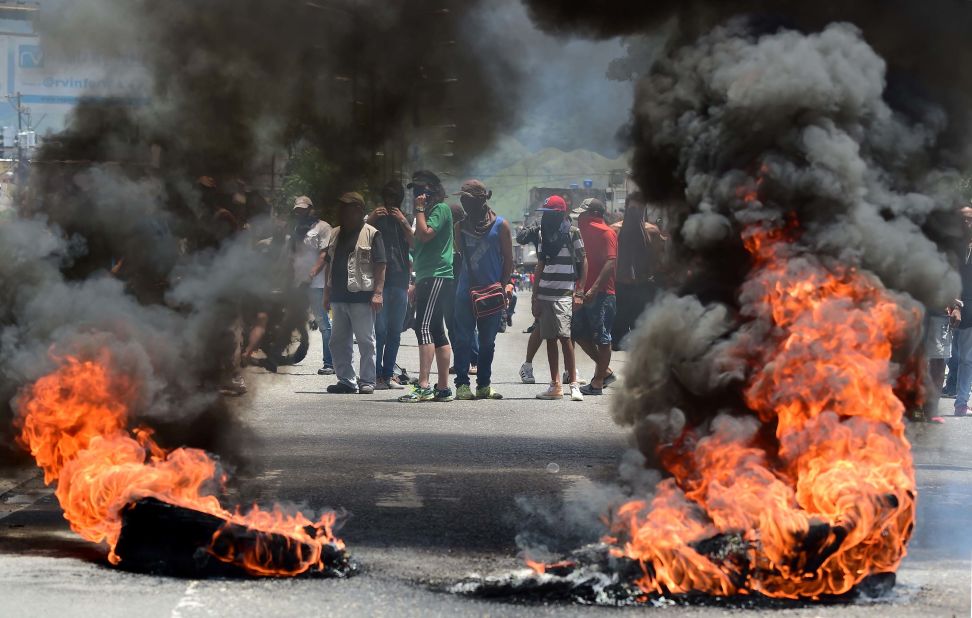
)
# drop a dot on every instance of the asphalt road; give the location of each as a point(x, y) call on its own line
point(431, 491)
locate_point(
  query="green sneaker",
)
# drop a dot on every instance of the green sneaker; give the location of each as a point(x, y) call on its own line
point(487, 392)
point(464, 393)
point(418, 395)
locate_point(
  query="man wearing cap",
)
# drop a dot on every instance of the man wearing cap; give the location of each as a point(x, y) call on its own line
point(396, 232)
point(355, 284)
point(486, 244)
point(433, 282)
point(591, 327)
point(310, 240)
point(561, 270)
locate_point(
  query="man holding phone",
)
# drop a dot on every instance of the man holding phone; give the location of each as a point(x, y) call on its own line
point(433, 283)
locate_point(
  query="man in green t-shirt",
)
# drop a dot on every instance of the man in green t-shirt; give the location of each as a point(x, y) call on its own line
point(433, 283)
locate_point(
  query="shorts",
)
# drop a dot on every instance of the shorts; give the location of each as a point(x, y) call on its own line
point(938, 337)
point(594, 321)
point(554, 320)
point(430, 295)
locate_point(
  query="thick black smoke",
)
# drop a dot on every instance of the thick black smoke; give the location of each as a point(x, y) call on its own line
point(851, 130)
point(227, 84)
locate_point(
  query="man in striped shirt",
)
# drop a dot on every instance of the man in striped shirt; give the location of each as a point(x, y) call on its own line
point(561, 272)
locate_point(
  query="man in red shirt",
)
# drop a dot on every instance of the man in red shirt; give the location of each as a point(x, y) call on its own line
point(591, 327)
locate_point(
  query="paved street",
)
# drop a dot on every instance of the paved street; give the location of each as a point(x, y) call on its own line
point(431, 494)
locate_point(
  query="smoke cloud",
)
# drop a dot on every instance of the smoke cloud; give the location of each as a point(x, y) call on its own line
point(763, 119)
point(219, 88)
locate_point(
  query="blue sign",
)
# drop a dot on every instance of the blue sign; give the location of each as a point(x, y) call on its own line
point(30, 57)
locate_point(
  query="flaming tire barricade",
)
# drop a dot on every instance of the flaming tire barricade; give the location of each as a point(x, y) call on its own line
point(154, 507)
point(821, 510)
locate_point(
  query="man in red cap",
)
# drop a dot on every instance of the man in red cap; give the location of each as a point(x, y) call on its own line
point(561, 270)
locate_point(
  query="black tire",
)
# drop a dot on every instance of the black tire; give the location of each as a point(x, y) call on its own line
point(294, 351)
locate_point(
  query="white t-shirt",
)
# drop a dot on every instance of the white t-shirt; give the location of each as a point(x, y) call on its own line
point(316, 240)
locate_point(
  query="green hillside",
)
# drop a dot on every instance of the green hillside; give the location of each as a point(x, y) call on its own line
point(549, 167)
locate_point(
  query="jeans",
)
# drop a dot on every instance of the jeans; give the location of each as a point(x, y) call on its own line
point(964, 340)
point(465, 327)
point(388, 330)
point(323, 321)
point(351, 321)
point(449, 310)
point(594, 321)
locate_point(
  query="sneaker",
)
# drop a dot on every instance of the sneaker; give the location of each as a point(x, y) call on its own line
point(566, 379)
point(526, 374)
point(487, 392)
point(325, 371)
point(464, 393)
point(341, 389)
point(529, 330)
point(473, 370)
point(610, 379)
point(381, 385)
point(394, 385)
point(417, 395)
point(587, 389)
point(366, 389)
point(554, 391)
point(235, 386)
point(575, 392)
point(443, 395)
point(961, 410)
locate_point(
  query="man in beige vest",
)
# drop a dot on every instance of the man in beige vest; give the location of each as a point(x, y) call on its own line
point(355, 282)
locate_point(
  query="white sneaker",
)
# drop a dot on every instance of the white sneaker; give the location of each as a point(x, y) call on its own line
point(394, 385)
point(526, 374)
point(575, 392)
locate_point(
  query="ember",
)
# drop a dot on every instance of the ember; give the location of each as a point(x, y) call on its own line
point(153, 507)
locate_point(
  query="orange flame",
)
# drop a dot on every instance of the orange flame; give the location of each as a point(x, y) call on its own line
point(833, 499)
point(74, 422)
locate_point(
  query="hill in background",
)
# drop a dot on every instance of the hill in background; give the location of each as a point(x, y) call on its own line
point(511, 170)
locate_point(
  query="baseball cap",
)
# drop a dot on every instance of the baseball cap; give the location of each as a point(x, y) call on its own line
point(352, 198)
point(303, 202)
point(473, 188)
point(423, 178)
point(591, 204)
point(554, 203)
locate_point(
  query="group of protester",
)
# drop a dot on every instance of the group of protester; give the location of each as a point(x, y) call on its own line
point(362, 283)
point(593, 280)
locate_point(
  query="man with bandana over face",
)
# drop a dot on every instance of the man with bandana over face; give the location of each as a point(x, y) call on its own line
point(396, 232)
point(486, 244)
point(561, 272)
point(355, 278)
point(310, 240)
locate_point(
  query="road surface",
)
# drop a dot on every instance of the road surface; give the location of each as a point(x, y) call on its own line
point(432, 494)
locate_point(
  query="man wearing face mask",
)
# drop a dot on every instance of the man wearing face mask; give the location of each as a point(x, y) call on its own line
point(561, 272)
point(354, 293)
point(396, 232)
point(433, 282)
point(310, 239)
point(486, 244)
